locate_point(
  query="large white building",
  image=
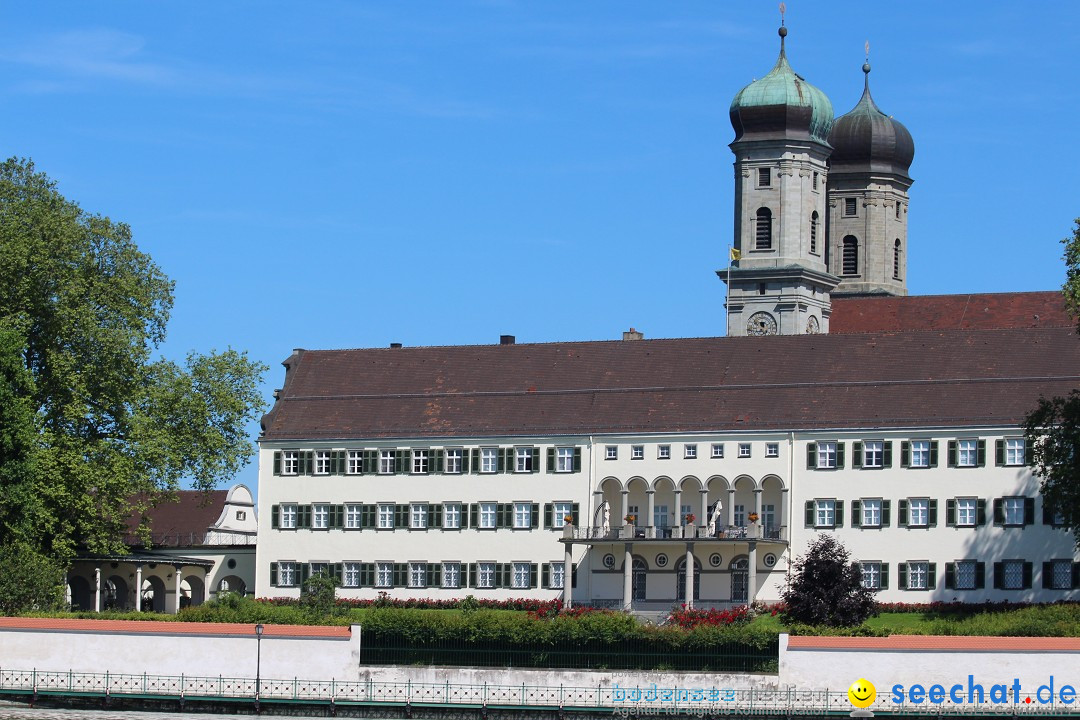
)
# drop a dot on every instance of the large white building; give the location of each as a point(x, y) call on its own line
point(649, 472)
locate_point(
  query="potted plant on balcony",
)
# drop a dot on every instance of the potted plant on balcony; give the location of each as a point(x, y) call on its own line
point(628, 529)
point(754, 531)
point(689, 520)
point(568, 526)
point(752, 517)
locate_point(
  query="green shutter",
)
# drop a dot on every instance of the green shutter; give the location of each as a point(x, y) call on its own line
point(273, 574)
point(303, 516)
point(952, 453)
point(886, 512)
point(501, 456)
point(548, 511)
point(856, 521)
point(309, 462)
point(1047, 575)
point(933, 453)
point(532, 575)
point(950, 576)
point(931, 576)
point(902, 514)
point(535, 464)
point(1029, 511)
point(950, 520)
point(931, 513)
point(980, 575)
point(474, 465)
point(999, 575)
point(577, 459)
point(472, 575)
point(401, 461)
point(856, 454)
point(809, 513)
point(507, 575)
point(534, 515)
point(887, 454)
point(1027, 575)
point(551, 459)
point(838, 519)
point(277, 462)
point(999, 512)
point(439, 461)
point(901, 576)
point(981, 453)
point(337, 516)
point(999, 452)
point(574, 512)
point(905, 454)
point(275, 514)
point(546, 575)
point(839, 455)
point(980, 511)
point(473, 512)
point(811, 456)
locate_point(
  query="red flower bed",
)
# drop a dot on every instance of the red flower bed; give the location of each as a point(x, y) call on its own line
point(689, 618)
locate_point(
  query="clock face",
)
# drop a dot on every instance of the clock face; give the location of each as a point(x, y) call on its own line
point(761, 323)
point(812, 327)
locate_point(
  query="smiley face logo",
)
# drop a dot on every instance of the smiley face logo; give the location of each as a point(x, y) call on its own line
point(862, 693)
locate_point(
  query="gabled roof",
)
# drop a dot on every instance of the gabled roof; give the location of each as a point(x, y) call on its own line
point(932, 378)
point(982, 311)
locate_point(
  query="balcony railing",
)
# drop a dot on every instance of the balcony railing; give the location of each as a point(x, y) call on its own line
point(190, 539)
point(690, 532)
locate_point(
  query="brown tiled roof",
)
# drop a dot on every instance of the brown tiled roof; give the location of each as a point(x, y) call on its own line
point(984, 311)
point(955, 643)
point(884, 379)
point(185, 521)
point(171, 628)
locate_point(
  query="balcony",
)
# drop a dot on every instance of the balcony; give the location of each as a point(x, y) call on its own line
point(597, 534)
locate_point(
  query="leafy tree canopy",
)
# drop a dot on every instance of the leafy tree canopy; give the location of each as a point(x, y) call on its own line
point(1053, 427)
point(826, 588)
point(88, 417)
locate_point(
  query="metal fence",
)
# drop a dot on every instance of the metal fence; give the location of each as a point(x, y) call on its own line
point(650, 699)
point(396, 649)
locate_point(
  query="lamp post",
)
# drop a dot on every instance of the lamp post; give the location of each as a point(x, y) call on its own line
point(258, 663)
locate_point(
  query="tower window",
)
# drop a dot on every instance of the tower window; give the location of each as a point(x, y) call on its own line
point(897, 209)
point(851, 255)
point(896, 260)
point(761, 288)
point(763, 230)
point(813, 229)
point(764, 177)
point(815, 180)
point(851, 207)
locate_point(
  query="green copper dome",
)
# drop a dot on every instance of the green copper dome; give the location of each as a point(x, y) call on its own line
point(782, 104)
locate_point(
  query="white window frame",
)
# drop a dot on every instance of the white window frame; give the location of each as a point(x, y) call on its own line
point(384, 574)
point(744, 450)
point(637, 452)
point(873, 454)
point(385, 516)
point(287, 516)
point(522, 516)
point(350, 574)
point(320, 516)
point(871, 574)
point(451, 519)
point(418, 515)
point(690, 451)
point(663, 452)
point(564, 459)
point(556, 576)
point(559, 511)
point(386, 461)
point(920, 454)
point(826, 455)
point(918, 512)
point(967, 512)
point(967, 452)
point(717, 451)
point(421, 461)
point(485, 575)
point(417, 575)
point(520, 576)
point(322, 462)
point(772, 450)
point(918, 575)
point(356, 462)
point(870, 512)
point(1015, 451)
point(611, 452)
point(523, 459)
point(451, 575)
point(354, 516)
point(288, 574)
point(1012, 511)
point(489, 460)
point(487, 515)
point(454, 461)
point(290, 462)
point(824, 513)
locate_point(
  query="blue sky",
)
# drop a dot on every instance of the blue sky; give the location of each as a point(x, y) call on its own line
point(350, 174)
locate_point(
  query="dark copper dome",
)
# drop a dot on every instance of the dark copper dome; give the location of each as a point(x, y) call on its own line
point(866, 139)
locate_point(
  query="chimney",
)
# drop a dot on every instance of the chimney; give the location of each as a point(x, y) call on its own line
point(633, 334)
point(506, 339)
point(395, 346)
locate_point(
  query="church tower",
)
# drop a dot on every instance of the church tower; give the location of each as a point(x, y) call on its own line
point(868, 200)
point(778, 282)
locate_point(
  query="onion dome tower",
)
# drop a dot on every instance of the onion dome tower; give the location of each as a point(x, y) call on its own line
point(778, 282)
point(868, 199)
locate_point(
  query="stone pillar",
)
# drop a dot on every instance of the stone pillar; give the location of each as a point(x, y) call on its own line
point(757, 501)
point(97, 589)
point(689, 574)
point(751, 573)
point(625, 507)
point(628, 577)
point(650, 519)
point(703, 516)
point(138, 588)
point(785, 512)
point(678, 507)
point(176, 584)
point(568, 574)
point(731, 507)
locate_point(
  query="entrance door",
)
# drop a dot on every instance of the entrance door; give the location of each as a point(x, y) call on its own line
point(740, 580)
point(637, 580)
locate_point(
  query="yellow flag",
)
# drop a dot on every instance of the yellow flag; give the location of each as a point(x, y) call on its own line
point(735, 254)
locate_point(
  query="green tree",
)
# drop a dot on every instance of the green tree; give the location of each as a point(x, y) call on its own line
point(1053, 427)
point(318, 595)
point(82, 311)
point(826, 588)
point(29, 580)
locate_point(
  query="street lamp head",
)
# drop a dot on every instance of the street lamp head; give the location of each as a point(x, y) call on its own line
point(259, 629)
